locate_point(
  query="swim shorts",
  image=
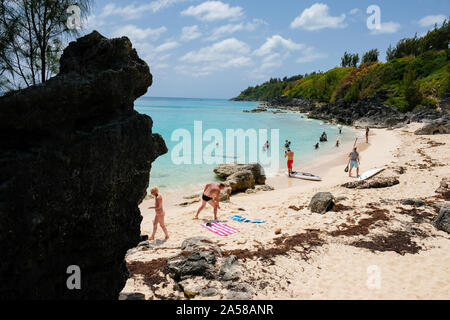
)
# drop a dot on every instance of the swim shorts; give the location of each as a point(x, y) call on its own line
point(206, 198)
point(354, 164)
point(289, 163)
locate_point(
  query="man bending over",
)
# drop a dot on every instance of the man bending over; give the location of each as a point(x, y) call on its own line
point(211, 195)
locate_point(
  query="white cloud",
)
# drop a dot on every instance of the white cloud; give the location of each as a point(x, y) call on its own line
point(354, 11)
point(277, 42)
point(229, 53)
point(310, 54)
point(214, 10)
point(93, 22)
point(136, 33)
point(430, 21)
point(317, 17)
point(387, 28)
point(133, 12)
point(190, 33)
point(227, 30)
point(169, 45)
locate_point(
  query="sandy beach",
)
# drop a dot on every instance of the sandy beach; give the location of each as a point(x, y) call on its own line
point(330, 256)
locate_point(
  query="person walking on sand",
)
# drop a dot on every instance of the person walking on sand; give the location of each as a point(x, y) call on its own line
point(159, 213)
point(367, 134)
point(290, 155)
point(354, 162)
point(211, 195)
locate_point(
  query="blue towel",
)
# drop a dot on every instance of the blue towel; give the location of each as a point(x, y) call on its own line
point(242, 219)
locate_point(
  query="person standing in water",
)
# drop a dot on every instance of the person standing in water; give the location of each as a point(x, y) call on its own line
point(316, 146)
point(159, 213)
point(338, 143)
point(354, 162)
point(211, 195)
point(340, 129)
point(290, 155)
point(367, 134)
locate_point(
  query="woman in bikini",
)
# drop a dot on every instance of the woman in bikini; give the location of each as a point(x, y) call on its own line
point(159, 213)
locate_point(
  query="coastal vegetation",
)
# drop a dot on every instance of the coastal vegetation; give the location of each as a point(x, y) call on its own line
point(416, 72)
point(33, 34)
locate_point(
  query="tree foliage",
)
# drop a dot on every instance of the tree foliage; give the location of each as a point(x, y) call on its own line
point(436, 39)
point(32, 35)
point(370, 56)
point(349, 60)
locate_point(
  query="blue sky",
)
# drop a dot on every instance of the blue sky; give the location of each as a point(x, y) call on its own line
point(215, 49)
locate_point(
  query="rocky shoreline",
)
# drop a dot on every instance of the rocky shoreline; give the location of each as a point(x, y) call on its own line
point(371, 112)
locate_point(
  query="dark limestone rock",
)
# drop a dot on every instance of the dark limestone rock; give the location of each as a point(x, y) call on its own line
point(413, 202)
point(230, 269)
point(321, 202)
point(198, 258)
point(75, 164)
point(378, 182)
point(442, 222)
point(438, 126)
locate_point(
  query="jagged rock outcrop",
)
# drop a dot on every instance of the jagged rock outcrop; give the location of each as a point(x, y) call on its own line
point(202, 269)
point(75, 164)
point(241, 177)
point(438, 126)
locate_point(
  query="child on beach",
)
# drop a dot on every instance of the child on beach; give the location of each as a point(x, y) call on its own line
point(159, 213)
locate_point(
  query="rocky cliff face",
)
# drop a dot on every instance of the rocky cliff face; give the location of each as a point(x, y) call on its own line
point(74, 166)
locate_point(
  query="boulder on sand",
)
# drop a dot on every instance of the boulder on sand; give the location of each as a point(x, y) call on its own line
point(240, 177)
point(321, 202)
point(442, 222)
point(241, 181)
point(224, 170)
point(378, 182)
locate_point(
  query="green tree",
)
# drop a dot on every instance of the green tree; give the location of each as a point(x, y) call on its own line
point(370, 56)
point(32, 35)
point(390, 53)
point(411, 88)
point(349, 60)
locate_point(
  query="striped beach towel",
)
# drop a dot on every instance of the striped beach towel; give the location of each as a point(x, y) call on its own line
point(220, 229)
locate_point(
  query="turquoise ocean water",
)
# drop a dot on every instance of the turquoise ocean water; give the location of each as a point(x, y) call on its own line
point(172, 114)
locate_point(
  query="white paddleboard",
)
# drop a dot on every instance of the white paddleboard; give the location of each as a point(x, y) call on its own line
point(369, 174)
point(304, 176)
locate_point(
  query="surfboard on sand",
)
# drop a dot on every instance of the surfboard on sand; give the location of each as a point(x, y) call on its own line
point(369, 174)
point(304, 176)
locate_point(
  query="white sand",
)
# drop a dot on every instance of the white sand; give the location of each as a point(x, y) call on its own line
point(337, 269)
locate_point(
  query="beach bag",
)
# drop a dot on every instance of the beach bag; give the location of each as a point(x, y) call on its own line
point(346, 169)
